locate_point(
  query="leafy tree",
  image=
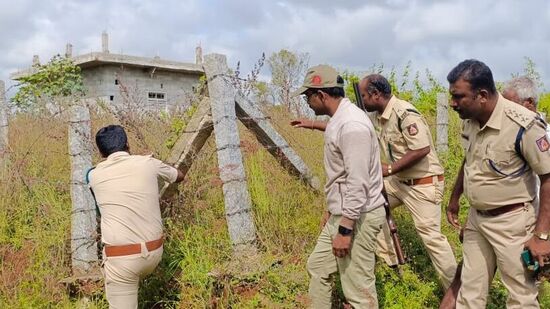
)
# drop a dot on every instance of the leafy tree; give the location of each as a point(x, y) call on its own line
point(349, 79)
point(530, 70)
point(261, 91)
point(287, 71)
point(49, 83)
point(425, 94)
point(544, 104)
point(422, 93)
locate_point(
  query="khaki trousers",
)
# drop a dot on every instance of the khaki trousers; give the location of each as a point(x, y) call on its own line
point(356, 269)
point(424, 204)
point(491, 242)
point(122, 275)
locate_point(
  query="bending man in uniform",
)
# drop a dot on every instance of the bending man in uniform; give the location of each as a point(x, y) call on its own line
point(126, 191)
point(506, 143)
point(355, 211)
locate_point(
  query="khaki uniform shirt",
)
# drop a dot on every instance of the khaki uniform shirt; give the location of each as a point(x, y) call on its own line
point(401, 130)
point(491, 156)
point(352, 163)
point(126, 190)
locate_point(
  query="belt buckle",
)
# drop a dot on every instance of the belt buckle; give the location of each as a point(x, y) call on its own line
point(409, 182)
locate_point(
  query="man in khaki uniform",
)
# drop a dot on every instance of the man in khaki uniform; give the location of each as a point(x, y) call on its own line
point(126, 191)
point(414, 176)
point(523, 91)
point(505, 142)
point(355, 212)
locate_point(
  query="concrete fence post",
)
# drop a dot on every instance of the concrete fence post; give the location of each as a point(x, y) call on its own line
point(253, 118)
point(240, 223)
point(84, 248)
point(190, 143)
point(442, 123)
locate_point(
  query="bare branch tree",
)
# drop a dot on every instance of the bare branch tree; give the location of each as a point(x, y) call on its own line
point(287, 71)
point(247, 85)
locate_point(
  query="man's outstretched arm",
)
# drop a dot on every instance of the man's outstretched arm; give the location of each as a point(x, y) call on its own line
point(309, 124)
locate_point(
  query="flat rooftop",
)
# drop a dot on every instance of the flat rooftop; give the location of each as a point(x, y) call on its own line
point(95, 59)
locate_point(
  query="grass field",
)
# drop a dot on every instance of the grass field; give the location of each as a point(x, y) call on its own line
point(35, 226)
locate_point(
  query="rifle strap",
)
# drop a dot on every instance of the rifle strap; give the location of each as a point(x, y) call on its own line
point(87, 178)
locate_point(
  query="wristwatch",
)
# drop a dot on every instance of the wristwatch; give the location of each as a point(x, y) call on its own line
point(344, 231)
point(542, 235)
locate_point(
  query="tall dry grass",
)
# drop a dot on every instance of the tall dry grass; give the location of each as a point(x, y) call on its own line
point(35, 225)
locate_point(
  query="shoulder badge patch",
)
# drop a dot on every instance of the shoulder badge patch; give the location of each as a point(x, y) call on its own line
point(412, 129)
point(543, 143)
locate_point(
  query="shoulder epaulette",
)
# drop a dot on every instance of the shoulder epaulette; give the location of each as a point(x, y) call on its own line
point(525, 120)
point(402, 114)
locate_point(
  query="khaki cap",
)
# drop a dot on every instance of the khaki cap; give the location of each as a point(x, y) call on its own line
point(320, 76)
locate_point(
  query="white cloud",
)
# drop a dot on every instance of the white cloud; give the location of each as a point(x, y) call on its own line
point(350, 35)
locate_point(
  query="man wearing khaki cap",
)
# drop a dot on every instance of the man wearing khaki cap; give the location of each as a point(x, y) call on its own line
point(126, 191)
point(355, 212)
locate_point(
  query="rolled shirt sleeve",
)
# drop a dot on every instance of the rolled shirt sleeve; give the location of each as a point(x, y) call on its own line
point(536, 148)
point(165, 172)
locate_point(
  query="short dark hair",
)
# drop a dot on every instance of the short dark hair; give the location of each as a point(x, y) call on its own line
point(335, 92)
point(379, 83)
point(111, 139)
point(474, 72)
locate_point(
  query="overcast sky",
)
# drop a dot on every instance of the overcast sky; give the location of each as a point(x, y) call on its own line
point(352, 34)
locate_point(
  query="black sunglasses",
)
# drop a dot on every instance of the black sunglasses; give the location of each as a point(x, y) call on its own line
point(309, 93)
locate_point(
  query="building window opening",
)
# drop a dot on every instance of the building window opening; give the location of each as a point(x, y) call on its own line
point(116, 81)
point(158, 96)
point(156, 100)
point(161, 86)
point(111, 98)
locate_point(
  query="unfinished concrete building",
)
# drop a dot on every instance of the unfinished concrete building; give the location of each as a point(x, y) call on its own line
point(123, 81)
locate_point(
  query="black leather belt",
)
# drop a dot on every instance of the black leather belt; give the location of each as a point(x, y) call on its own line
point(501, 210)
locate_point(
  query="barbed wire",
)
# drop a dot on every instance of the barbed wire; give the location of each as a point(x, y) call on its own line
point(120, 115)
